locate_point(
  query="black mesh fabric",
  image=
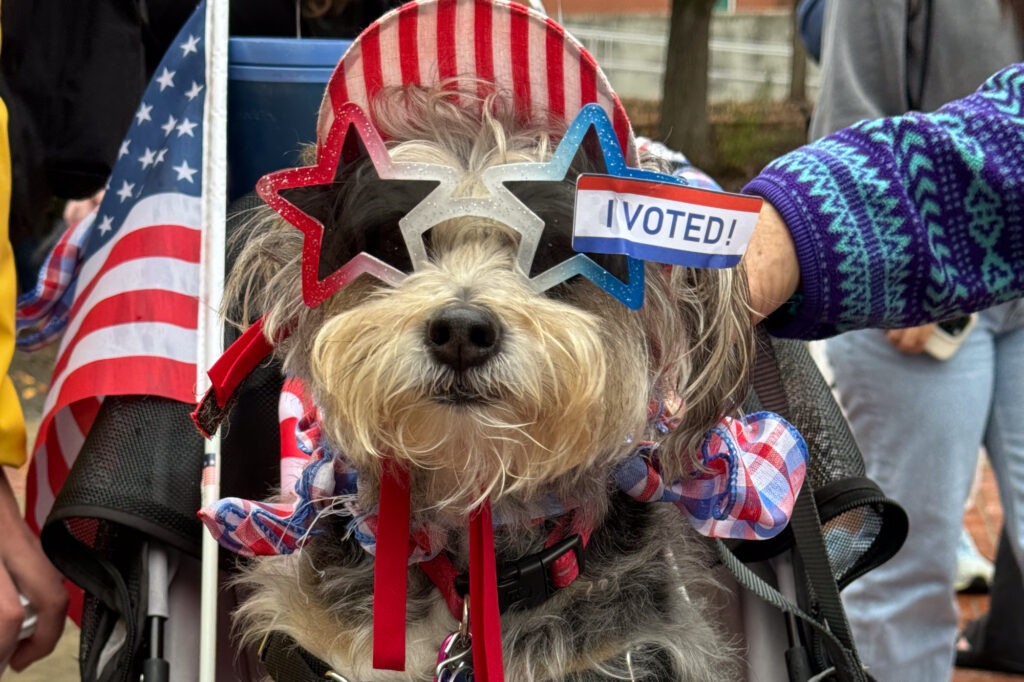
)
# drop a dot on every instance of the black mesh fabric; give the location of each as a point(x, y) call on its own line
point(250, 443)
point(849, 537)
point(136, 478)
point(862, 527)
point(835, 455)
point(143, 459)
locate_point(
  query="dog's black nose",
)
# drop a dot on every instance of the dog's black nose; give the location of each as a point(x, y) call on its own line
point(463, 336)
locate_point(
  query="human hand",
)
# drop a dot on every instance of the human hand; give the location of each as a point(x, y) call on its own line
point(910, 340)
point(773, 271)
point(25, 568)
point(76, 209)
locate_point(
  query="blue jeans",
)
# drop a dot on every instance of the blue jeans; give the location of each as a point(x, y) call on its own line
point(920, 422)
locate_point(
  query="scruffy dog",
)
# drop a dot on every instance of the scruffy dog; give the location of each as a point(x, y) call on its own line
point(482, 387)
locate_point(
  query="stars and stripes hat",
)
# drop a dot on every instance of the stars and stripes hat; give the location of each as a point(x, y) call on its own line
point(548, 73)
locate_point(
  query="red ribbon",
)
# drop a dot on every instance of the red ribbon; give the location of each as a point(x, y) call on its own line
point(566, 568)
point(485, 618)
point(230, 370)
point(390, 573)
point(238, 361)
point(390, 568)
point(442, 573)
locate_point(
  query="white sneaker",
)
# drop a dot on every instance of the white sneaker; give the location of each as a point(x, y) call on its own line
point(973, 571)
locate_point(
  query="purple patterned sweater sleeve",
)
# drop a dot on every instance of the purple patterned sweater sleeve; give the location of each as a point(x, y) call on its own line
point(904, 220)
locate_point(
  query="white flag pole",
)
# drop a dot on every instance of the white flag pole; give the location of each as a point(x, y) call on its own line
point(211, 286)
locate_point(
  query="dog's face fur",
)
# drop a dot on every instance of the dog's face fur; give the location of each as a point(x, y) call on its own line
point(485, 388)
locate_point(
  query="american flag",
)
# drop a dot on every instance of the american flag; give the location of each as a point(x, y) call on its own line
point(123, 284)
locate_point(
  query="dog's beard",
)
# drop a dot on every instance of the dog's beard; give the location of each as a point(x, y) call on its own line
point(549, 403)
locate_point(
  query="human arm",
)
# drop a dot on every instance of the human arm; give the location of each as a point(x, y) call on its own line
point(899, 221)
point(772, 268)
point(911, 340)
point(77, 209)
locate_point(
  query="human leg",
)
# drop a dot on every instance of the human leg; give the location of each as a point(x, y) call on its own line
point(993, 640)
point(1004, 435)
point(919, 423)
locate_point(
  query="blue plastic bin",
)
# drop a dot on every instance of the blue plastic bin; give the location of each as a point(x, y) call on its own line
point(274, 90)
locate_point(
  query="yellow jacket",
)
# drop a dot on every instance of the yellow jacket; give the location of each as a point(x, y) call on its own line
point(12, 425)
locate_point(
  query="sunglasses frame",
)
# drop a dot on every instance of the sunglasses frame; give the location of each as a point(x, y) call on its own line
point(500, 204)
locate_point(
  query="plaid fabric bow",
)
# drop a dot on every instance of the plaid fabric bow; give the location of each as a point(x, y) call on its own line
point(326, 485)
point(45, 308)
point(750, 472)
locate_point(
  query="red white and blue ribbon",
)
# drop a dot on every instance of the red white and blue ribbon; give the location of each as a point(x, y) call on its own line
point(750, 471)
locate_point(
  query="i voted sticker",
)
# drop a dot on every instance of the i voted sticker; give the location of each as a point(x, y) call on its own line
point(662, 222)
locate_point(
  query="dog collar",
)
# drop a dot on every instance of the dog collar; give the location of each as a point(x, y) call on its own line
point(528, 582)
point(525, 583)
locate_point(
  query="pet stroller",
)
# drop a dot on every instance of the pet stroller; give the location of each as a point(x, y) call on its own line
point(134, 488)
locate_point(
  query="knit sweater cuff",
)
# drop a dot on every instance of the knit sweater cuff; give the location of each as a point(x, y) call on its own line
point(801, 315)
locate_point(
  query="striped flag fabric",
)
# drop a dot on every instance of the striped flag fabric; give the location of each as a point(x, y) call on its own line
point(122, 286)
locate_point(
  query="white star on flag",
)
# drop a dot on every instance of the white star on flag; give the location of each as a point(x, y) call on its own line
point(194, 91)
point(186, 128)
point(126, 191)
point(160, 156)
point(143, 113)
point(189, 46)
point(166, 79)
point(124, 148)
point(147, 158)
point(169, 126)
point(106, 225)
point(184, 172)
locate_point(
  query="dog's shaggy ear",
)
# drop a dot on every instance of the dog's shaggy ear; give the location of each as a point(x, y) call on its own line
point(707, 359)
point(265, 281)
point(263, 251)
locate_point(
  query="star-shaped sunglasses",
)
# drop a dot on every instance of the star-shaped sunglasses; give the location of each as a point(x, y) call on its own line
point(381, 230)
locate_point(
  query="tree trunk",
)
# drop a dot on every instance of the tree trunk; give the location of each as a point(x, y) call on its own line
point(684, 103)
point(798, 65)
